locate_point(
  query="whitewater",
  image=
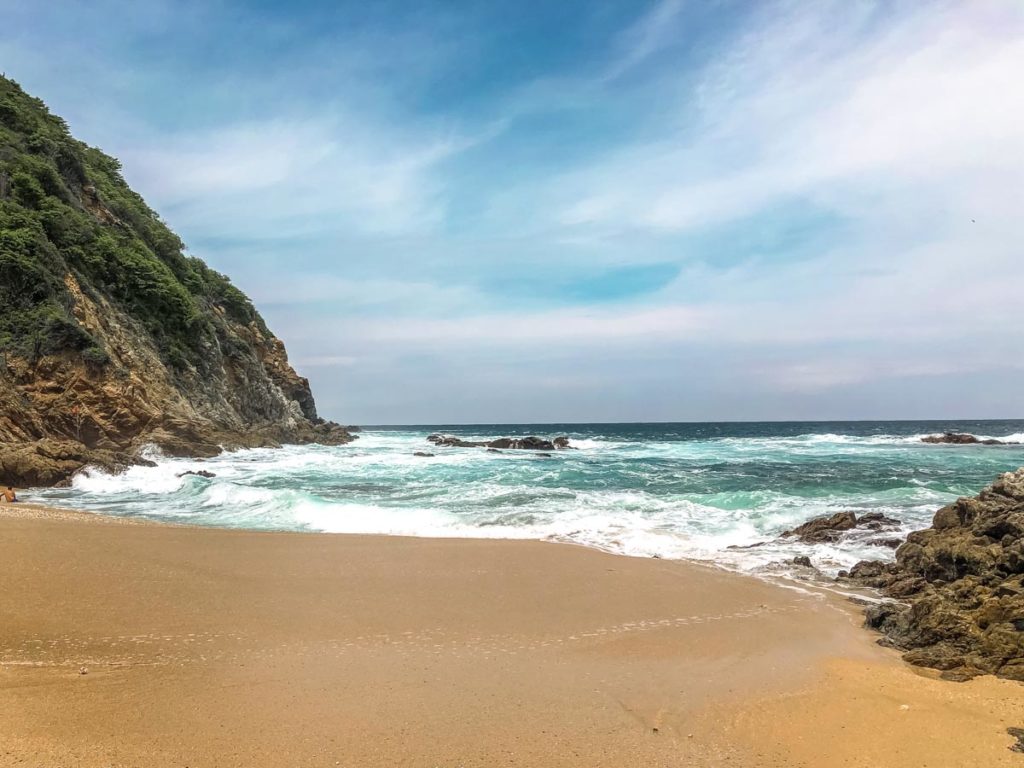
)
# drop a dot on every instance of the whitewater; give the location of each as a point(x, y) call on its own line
point(695, 491)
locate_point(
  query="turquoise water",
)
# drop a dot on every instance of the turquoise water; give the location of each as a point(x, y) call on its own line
point(672, 490)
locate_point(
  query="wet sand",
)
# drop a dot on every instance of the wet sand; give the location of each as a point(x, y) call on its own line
point(129, 644)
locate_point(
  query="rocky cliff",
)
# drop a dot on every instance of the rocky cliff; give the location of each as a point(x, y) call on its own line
point(111, 337)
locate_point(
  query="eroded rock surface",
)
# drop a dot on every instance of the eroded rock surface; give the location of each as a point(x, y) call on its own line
point(957, 588)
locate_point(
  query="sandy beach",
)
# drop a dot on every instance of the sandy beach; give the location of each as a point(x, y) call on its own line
point(131, 644)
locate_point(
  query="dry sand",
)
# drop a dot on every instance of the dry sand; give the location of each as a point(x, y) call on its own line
point(146, 645)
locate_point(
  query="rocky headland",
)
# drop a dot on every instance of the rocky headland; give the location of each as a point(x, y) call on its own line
point(112, 338)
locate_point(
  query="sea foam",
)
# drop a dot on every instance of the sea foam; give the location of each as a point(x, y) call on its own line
point(670, 492)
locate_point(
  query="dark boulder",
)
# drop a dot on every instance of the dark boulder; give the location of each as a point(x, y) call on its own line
point(876, 521)
point(198, 473)
point(959, 438)
point(824, 529)
point(532, 443)
point(1018, 734)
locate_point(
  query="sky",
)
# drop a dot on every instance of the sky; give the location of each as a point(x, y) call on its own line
point(480, 212)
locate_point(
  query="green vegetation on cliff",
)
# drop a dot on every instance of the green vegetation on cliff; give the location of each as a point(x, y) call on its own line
point(66, 210)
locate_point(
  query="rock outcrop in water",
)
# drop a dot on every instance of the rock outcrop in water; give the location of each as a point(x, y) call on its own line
point(831, 528)
point(111, 337)
point(958, 587)
point(531, 443)
point(961, 438)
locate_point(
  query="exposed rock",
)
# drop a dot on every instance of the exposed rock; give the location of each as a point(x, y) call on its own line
point(824, 529)
point(960, 438)
point(451, 441)
point(889, 543)
point(876, 521)
point(531, 443)
point(802, 560)
point(198, 473)
point(1018, 734)
point(53, 462)
point(958, 587)
point(422, 453)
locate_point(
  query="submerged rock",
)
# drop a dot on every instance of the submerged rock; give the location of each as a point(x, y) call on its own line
point(198, 473)
point(957, 588)
point(422, 453)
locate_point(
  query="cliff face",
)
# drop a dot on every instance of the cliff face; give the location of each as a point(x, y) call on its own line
point(112, 338)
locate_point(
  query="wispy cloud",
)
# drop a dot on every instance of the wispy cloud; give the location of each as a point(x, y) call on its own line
point(667, 210)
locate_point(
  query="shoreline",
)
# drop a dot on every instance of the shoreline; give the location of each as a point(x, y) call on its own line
point(206, 646)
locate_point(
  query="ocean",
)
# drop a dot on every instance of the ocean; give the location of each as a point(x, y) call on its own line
point(689, 490)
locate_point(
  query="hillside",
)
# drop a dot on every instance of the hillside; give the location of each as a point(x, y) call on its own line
point(111, 337)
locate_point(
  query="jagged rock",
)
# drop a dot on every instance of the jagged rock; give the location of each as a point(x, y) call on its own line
point(824, 529)
point(531, 443)
point(958, 587)
point(451, 441)
point(890, 543)
point(876, 521)
point(959, 438)
point(198, 473)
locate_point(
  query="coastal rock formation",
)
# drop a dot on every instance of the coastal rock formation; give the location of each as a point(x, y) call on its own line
point(958, 587)
point(111, 337)
point(198, 473)
point(961, 438)
point(830, 528)
point(531, 443)
point(822, 529)
point(52, 462)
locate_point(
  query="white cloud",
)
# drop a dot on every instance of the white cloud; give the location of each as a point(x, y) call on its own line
point(297, 175)
point(812, 104)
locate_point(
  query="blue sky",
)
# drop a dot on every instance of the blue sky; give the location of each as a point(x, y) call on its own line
point(582, 211)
